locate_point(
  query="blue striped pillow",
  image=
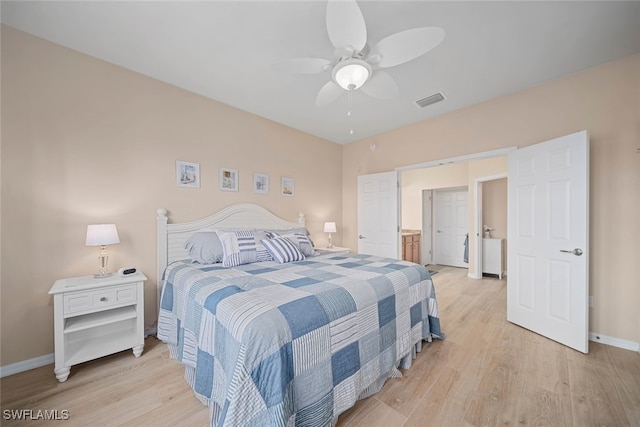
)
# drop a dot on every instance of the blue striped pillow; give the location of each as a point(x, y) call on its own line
point(301, 241)
point(240, 247)
point(282, 250)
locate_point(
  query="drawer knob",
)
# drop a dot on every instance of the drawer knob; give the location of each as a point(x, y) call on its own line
point(103, 299)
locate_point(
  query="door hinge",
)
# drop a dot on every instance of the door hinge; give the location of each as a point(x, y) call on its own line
point(398, 228)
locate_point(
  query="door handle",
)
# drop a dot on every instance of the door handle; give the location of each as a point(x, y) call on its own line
point(361, 237)
point(439, 231)
point(576, 251)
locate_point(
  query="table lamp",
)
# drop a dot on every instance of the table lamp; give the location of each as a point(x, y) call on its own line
point(330, 227)
point(102, 235)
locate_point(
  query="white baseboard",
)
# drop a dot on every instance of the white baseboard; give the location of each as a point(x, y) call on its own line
point(25, 365)
point(614, 342)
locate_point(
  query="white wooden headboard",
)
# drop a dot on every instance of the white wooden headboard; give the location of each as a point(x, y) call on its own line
point(171, 237)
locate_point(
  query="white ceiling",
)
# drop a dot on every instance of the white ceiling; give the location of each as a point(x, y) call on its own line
point(224, 50)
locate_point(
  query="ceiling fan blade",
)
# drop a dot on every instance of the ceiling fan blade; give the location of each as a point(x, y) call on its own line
point(381, 85)
point(301, 65)
point(345, 24)
point(329, 93)
point(406, 45)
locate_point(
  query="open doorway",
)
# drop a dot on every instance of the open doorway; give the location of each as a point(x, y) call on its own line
point(490, 221)
point(418, 185)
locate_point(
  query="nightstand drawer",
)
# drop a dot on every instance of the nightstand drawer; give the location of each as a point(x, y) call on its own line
point(77, 302)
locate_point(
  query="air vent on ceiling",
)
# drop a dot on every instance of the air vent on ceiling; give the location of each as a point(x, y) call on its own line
point(431, 99)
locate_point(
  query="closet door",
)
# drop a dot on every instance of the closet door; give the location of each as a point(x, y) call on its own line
point(450, 221)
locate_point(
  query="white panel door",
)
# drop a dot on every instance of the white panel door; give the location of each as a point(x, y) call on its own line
point(451, 227)
point(378, 230)
point(548, 239)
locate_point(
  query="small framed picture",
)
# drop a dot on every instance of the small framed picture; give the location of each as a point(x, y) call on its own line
point(228, 179)
point(260, 183)
point(187, 174)
point(288, 188)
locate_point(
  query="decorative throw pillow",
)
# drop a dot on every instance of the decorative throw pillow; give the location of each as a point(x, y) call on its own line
point(204, 247)
point(306, 246)
point(302, 241)
point(283, 250)
point(240, 247)
point(282, 231)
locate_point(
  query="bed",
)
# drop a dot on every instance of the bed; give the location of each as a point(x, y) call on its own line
point(287, 341)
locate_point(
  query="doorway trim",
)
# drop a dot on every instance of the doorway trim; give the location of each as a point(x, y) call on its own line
point(477, 223)
point(475, 156)
point(427, 227)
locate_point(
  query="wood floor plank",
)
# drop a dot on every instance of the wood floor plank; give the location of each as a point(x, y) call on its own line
point(403, 394)
point(495, 401)
point(376, 414)
point(446, 402)
point(594, 396)
point(541, 407)
point(547, 365)
point(625, 368)
point(181, 410)
point(487, 372)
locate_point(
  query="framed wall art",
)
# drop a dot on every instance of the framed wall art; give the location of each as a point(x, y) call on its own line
point(228, 179)
point(288, 186)
point(187, 174)
point(260, 183)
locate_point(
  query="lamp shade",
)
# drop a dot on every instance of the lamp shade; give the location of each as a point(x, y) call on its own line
point(102, 235)
point(329, 227)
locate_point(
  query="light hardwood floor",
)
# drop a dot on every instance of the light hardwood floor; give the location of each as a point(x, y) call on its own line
point(487, 372)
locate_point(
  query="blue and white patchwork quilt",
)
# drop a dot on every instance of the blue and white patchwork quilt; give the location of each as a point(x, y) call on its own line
point(295, 344)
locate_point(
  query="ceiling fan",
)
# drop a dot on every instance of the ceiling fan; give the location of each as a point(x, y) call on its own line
point(354, 64)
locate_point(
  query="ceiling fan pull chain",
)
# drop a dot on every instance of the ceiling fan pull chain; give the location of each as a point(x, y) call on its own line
point(350, 92)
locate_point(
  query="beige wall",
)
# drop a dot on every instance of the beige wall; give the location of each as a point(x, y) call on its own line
point(86, 142)
point(416, 180)
point(605, 101)
point(494, 207)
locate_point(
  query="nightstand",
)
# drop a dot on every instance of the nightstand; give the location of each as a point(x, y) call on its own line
point(96, 317)
point(335, 249)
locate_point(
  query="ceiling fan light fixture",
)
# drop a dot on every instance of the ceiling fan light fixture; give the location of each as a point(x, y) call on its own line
point(351, 74)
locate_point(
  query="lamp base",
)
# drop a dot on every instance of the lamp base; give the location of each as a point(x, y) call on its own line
point(103, 260)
